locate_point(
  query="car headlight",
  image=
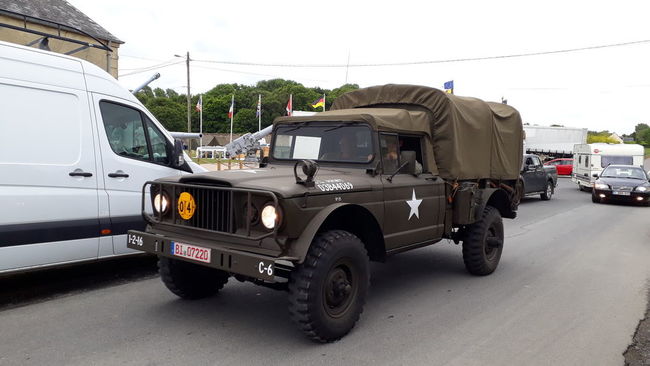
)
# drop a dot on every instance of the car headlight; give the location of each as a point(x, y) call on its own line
point(601, 186)
point(160, 203)
point(270, 216)
point(641, 189)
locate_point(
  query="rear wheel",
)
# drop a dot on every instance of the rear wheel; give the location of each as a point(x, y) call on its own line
point(548, 192)
point(190, 281)
point(328, 290)
point(483, 243)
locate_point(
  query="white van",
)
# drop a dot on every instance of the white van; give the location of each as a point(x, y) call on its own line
point(75, 151)
point(590, 159)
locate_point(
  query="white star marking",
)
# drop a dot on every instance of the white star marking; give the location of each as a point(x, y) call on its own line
point(414, 204)
point(248, 171)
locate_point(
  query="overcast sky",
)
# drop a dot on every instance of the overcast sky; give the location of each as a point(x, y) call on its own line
point(606, 88)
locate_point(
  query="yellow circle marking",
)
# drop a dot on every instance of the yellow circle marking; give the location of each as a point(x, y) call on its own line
point(186, 205)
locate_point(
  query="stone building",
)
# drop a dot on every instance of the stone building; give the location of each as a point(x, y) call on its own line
point(57, 26)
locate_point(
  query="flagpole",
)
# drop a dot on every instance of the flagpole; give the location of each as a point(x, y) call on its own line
point(259, 112)
point(232, 115)
point(201, 120)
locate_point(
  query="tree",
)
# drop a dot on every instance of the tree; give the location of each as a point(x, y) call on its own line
point(641, 133)
point(593, 138)
point(643, 137)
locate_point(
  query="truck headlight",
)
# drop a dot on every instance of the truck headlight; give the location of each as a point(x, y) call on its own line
point(601, 186)
point(160, 203)
point(641, 189)
point(270, 216)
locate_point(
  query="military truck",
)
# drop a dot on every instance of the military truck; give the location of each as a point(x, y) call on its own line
point(388, 169)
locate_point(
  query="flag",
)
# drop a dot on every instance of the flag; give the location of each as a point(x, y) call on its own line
point(319, 103)
point(259, 106)
point(290, 106)
point(232, 107)
point(199, 104)
point(449, 87)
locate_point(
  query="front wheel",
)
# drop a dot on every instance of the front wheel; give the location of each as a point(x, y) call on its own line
point(483, 243)
point(548, 193)
point(595, 199)
point(190, 281)
point(328, 290)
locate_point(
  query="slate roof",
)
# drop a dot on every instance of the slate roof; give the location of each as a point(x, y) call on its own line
point(59, 11)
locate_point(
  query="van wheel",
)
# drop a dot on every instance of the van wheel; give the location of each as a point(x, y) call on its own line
point(190, 281)
point(548, 193)
point(483, 243)
point(328, 290)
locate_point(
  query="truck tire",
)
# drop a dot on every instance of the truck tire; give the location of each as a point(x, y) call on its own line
point(483, 243)
point(190, 281)
point(328, 290)
point(548, 192)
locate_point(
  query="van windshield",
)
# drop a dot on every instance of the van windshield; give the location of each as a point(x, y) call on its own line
point(344, 142)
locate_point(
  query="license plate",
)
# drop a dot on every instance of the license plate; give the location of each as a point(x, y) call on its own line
point(190, 252)
point(621, 193)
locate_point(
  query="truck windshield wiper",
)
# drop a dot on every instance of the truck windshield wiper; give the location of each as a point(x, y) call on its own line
point(339, 126)
point(297, 126)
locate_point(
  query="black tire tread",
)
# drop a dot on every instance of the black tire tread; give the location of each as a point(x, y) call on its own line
point(303, 277)
point(472, 245)
point(181, 278)
point(543, 195)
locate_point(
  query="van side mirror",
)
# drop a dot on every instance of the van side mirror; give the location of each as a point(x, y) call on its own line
point(595, 175)
point(408, 157)
point(177, 158)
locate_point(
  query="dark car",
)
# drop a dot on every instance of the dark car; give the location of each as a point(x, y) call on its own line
point(537, 178)
point(564, 166)
point(622, 183)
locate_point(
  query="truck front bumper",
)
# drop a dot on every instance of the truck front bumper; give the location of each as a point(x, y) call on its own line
point(253, 265)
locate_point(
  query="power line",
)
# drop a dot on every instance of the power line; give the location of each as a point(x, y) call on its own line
point(151, 66)
point(154, 67)
point(407, 63)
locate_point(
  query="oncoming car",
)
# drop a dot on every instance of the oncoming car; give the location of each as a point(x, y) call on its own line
point(622, 183)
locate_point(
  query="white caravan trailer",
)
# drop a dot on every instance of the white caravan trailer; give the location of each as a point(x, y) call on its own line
point(590, 159)
point(75, 150)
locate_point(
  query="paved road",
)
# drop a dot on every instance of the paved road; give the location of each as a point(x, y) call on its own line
point(570, 290)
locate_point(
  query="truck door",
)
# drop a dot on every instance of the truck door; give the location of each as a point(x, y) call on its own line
point(413, 205)
point(134, 150)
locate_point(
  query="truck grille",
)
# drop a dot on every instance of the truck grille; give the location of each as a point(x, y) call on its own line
point(213, 210)
point(216, 208)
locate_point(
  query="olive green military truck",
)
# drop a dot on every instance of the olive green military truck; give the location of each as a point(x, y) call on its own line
point(388, 169)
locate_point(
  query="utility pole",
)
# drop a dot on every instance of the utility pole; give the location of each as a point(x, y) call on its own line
point(189, 119)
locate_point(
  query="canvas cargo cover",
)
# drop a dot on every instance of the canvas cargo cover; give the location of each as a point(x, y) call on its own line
point(471, 139)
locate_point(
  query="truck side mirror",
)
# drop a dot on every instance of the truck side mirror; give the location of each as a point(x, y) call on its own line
point(177, 158)
point(408, 157)
point(264, 162)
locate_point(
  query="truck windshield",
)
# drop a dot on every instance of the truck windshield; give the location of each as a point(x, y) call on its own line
point(343, 142)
